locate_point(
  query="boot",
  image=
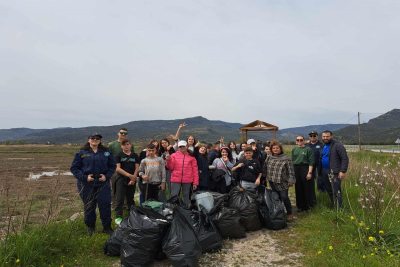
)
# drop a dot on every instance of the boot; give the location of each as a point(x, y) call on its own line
point(90, 228)
point(107, 229)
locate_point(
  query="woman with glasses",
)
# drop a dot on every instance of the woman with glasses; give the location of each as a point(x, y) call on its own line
point(303, 161)
point(93, 167)
point(184, 171)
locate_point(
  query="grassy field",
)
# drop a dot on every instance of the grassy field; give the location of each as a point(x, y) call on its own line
point(35, 231)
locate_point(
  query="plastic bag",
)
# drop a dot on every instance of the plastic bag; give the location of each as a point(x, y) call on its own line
point(246, 202)
point(112, 246)
point(227, 220)
point(272, 213)
point(181, 244)
point(142, 240)
point(205, 230)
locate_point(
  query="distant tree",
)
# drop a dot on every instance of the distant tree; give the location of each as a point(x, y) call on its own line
point(7, 142)
point(20, 142)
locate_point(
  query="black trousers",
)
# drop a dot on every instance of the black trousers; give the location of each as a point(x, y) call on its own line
point(305, 189)
point(122, 190)
point(284, 197)
point(152, 191)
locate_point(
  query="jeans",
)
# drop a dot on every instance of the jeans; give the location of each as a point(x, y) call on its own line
point(284, 197)
point(248, 185)
point(337, 188)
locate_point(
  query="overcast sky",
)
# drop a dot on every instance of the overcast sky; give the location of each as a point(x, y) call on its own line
point(290, 63)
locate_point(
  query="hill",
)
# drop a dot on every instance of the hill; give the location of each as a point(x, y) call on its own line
point(382, 129)
point(141, 131)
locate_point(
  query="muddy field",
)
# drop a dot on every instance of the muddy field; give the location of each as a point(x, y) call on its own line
point(35, 184)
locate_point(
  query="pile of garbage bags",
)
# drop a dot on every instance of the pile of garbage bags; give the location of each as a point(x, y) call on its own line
point(182, 235)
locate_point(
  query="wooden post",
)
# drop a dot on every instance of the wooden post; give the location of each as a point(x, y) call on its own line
point(246, 137)
point(274, 134)
point(359, 132)
point(242, 137)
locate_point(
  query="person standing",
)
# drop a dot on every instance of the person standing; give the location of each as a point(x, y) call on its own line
point(93, 167)
point(278, 169)
point(184, 171)
point(125, 184)
point(316, 147)
point(303, 161)
point(333, 158)
point(115, 148)
point(225, 162)
point(249, 170)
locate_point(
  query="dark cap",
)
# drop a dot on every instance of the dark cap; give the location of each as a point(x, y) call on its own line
point(313, 132)
point(95, 134)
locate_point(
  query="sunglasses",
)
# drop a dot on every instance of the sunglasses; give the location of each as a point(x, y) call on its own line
point(299, 140)
point(123, 133)
point(95, 138)
point(313, 136)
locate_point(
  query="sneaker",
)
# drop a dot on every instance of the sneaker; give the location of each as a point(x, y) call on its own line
point(118, 221)
point(90, 229)
point(107, 229)
point(289, 218)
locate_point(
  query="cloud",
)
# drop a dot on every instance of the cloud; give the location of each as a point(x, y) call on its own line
point(287, 63)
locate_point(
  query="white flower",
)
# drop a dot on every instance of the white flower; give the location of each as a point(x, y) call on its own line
point(356, 185)
point(377, 162)
point(396, 197)
point(382, 200)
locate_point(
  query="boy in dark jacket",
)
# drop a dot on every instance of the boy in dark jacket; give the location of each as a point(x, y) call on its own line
point(249, 170)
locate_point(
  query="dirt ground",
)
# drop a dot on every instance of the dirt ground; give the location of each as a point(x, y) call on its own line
point(59, 193)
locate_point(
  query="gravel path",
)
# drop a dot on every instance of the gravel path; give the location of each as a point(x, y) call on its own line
point(259, 248)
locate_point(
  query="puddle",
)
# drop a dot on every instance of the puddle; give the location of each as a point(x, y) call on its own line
point(37, 176)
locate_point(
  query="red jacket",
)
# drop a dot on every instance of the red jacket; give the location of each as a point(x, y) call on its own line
point(183, 168)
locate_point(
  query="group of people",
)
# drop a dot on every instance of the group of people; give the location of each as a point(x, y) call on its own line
point(187, 166)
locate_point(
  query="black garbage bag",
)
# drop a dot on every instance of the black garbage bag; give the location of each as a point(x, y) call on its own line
point(217, 197)
point(245, 201)
point(227, 221)
point(181, 244)
point(175, 201)
point(112, 246)
point(207, 233)
point(142, 241)
point(271, 210)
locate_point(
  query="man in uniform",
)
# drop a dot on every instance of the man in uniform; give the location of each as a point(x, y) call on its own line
point(316, 147)
point(115, 148)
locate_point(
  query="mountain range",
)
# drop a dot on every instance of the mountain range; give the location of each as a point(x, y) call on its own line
point(142, 131)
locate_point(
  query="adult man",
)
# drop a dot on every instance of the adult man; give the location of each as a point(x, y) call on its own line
point(333, 158)
point(115, 148)
point(316, 147)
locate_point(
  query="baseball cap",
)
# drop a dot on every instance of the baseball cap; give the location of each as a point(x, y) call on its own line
point(95, 134)
point(182, 143)
point(250, 141)
point(313, 132)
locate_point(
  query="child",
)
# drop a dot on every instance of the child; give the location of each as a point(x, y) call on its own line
point(125, 183)
point(152, 172)
point(249, 170)
point(201, 155)
point(225, 162)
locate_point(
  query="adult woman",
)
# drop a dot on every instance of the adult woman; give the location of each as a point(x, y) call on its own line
point(184, 171)
point(93, 167)
point(278, 169)
point(235, 152)
point(165, 146)
point(225, 162)
point(201, 155)
point(303, 160)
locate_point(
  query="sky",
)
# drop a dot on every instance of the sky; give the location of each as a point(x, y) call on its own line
point(289, 63)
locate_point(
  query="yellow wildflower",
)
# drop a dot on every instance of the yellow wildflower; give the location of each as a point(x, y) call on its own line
point(372, 254)
point(371, 238)
point(361, 224)
point(364, 256)
point(319, 252)
point(376, 249)
point(381, 232)
point(330, 247)
point(351, 218)
point(17, 260)
point(367, 228)
point(391, 255)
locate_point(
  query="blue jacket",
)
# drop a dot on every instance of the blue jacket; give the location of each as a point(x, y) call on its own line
point(317, 149)
point(87, 162)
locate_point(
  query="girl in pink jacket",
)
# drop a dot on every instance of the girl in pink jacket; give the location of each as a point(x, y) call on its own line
point(184, 171)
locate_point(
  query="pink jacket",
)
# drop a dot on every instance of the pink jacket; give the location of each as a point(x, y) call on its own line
point(183, 168)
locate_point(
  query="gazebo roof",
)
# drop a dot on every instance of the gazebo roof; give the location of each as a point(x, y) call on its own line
point(258, 125)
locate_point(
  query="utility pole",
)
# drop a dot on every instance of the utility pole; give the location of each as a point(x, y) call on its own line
point(359, 132)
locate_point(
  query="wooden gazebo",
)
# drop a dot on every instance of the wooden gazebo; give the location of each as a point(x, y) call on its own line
point(258, 126)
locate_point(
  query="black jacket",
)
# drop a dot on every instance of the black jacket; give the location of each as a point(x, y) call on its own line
point(202, 164)
point(250, 171)
point(218, 183)
point(338, 159)
point(317, 149)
